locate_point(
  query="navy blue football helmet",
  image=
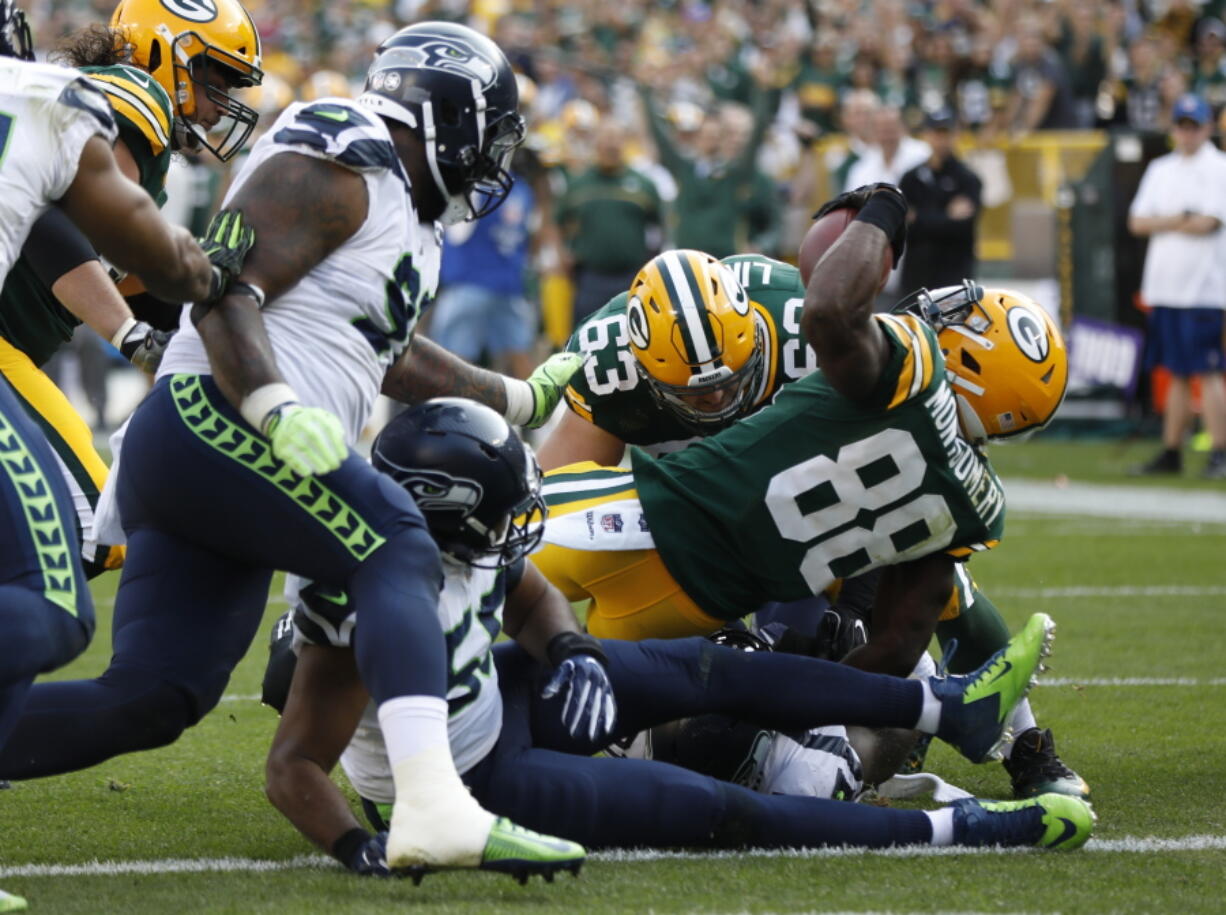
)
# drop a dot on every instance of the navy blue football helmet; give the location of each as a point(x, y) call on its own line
point(454, 88)
point(15, 39)
point(476, 483)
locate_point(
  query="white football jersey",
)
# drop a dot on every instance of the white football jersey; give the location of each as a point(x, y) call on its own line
point(470, 611)
point(46, 115)
point(338, 330)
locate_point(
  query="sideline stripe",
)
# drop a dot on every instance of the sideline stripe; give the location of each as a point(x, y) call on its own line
point(1119, 591)
point(1131, 844)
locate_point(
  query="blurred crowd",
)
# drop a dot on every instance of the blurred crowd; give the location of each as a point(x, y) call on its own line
point(699, 122)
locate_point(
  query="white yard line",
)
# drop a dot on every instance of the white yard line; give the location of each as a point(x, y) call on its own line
point(1135, 503)
point(1115, 591)
point(1132, 844)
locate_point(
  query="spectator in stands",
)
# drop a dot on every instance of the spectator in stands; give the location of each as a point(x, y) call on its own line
point(1142, 86)
point(1181, 206)
point(1083, 54)
point(1041, 98)
point(611, 217)
point(1209, 72)
point(858, 118)
point(892, 156)
point(943, 195)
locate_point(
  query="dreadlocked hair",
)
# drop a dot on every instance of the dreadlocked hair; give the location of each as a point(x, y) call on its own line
point(93, 46)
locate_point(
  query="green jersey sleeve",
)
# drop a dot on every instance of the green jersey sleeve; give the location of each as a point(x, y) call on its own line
point(145, 118)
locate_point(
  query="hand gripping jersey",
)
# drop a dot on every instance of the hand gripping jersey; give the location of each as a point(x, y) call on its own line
point(339, 329)
point(31, 317)
point(470, 610)
point(817, 487)
point(610, 394)
point(46, 115)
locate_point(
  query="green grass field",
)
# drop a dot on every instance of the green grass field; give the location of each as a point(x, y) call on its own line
point(1136, 602)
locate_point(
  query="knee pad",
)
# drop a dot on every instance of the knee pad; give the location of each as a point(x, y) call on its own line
point(737, 828)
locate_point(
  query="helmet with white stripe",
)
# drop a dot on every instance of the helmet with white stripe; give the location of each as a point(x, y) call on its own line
point(454, 88)
point(697, 343)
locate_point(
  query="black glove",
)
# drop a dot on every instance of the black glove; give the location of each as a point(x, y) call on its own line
point(889, 213)
point(839, 631)
point(141, 344)
point(363, 853)
point(226, 242)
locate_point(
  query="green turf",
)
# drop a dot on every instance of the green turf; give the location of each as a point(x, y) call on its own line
point(1097, 462)
point(1153, 756)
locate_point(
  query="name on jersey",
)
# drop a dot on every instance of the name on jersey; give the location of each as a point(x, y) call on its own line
point(984, 490)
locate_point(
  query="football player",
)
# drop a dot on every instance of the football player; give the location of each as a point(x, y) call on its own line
point(56, 130)
point(526, 717)
point(239, 461)
point(169, 80)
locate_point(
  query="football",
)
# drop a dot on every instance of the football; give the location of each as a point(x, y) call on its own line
point(821, 235)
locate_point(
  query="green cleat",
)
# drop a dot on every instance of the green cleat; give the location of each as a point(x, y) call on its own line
point(520, 852)
point(11, 903)
point(976, 707)
point(1054, 821)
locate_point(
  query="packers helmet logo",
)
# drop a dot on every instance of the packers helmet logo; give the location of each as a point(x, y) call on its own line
point(738, 298)
point(636, 323)
point(439, 54)
point(193, 10)
point(1029, 333)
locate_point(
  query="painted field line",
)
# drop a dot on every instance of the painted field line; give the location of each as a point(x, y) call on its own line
point(1134, 845)
point(1117, 591)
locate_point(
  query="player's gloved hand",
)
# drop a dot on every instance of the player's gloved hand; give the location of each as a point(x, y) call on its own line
point(363, 854)
point(581, 669)
point(839, 631)
point(309, 439)
point(547, 382)
point(141, 344)
point(226, 242)
point(893, 205)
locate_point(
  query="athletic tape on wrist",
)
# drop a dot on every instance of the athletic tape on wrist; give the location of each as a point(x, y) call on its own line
point(520, 401)
point(127, 325)
point(260, 403)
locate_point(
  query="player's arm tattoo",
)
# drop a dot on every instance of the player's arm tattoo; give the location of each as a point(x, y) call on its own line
point(302, 209)
point(427, 370)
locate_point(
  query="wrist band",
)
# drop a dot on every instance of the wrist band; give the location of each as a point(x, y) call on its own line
point(260, 403)
point(127, 325)
point(250, 290)
point(565, 644)
point(888, 212)
point(520, 402)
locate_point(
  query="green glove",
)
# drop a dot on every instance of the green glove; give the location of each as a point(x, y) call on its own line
point(547, 382)
point(309, 440)
point(226, 243)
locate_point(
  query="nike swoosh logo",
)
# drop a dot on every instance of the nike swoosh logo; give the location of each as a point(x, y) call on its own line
point(341, 116)
point(1004, 670)
point(1070, 830)
point(139, 78)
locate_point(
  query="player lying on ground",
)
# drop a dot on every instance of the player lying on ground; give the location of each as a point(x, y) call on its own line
point(526, 717)
point(238, 463)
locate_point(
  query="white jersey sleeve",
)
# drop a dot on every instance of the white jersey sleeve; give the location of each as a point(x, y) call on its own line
point(337, 331)
point(47, 114)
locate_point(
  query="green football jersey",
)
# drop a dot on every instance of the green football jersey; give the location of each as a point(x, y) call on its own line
point(816, 487)
point(31, 318)
point(610, 394)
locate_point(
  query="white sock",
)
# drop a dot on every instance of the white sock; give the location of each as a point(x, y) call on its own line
point(412, 724)
point(930, 715)
point(1022, 720)
point(942, 825)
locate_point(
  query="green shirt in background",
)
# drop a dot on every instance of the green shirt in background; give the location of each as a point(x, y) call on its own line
point(606, 216)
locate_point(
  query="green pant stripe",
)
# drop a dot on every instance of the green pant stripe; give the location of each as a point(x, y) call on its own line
point(253, 452)
point(47, 530)
point(555, 497)
point(554, 476)
point(61, 447)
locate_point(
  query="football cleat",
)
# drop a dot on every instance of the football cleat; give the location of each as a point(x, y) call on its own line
point(1054, 821)
point(11, 903)
point(1035, 769)
point(520, 852)
point(976, 707)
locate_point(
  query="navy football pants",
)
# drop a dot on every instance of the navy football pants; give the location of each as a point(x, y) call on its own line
point(535, 777)
point(46, 614)
point(209, 514)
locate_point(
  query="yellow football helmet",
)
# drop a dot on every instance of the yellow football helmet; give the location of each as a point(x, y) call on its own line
point(180, 42)
point(1004, 355)
point(693, 333)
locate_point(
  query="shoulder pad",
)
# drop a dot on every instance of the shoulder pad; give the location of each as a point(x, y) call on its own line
point(139, 102)
point(337, 130)
point(921, 363)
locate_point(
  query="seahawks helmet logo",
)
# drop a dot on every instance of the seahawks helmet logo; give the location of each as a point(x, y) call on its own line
point(1029, 333)
point(437, 54)
point(636, 323)
point(193, 10)
point(435, 491)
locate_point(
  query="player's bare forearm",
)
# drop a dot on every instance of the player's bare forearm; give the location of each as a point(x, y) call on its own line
point(426, 370)
point(240, 353)
point(325, 703)
point(910, 598)
point(536, 611)
point(838, 312)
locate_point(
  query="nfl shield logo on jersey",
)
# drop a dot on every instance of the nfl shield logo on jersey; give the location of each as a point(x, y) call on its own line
point(612, 523)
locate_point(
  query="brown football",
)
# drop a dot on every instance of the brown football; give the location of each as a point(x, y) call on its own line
point(821, 235)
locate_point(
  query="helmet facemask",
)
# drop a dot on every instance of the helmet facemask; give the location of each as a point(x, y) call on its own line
point(15, 38)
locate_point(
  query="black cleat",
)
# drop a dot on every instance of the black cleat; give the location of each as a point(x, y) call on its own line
point(1035, 769)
